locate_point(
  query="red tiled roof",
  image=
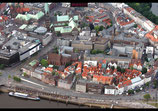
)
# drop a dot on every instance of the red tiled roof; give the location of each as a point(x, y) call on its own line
point(125, 83)
point(122, 23)
point(49, 69)
point(96, 20)
point(129, 9)
point(25, 9)
point(2, 5)
point(150, 35)
point(101, 10)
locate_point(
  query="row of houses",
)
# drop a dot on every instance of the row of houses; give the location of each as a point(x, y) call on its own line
point(60, 79)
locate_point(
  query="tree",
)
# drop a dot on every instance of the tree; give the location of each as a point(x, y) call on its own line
point(56, 50)
point(66, 24)
point(17, 79)
point(130, 92)
point(55, 14)
point(131, 67)
point(144, 70)
point(101, 28)
point(112, 67)
point(93, 51)
point(56, 73)
point(1, 66)
point(9, 76)
point(68, 64)
point(147, 84)
point(76, 50)
point(91, 26)
point(135, 25)
point(147, 97)
point(87, 17)
point(55, 67)
point(155, 83)
point(58, 34)
point(122, 70)
point(97, 29)
point(25, 74)
point(53, 73)
point(119, 69)
point(44, 62)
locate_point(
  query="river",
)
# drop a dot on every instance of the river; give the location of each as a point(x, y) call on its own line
point(13, 102)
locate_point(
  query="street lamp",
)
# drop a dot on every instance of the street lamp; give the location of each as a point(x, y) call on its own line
point(156, 96)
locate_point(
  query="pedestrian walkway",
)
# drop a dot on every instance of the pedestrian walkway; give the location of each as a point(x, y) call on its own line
point(31, 82)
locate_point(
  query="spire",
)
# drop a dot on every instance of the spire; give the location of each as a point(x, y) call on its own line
point(46, 8)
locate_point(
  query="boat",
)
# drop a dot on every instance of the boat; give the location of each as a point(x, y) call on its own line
point(23, 95)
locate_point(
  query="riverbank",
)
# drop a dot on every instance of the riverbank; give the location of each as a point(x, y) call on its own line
point(10, 102)
point(59, 98)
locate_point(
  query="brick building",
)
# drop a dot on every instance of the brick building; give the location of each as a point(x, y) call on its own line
point(57, 59)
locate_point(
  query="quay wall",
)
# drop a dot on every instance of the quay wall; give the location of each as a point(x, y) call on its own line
point(58, 98)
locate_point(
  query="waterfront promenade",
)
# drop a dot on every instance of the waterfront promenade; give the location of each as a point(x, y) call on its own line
point(102, 103)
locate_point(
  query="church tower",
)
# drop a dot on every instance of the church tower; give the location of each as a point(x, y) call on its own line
point(47, 17)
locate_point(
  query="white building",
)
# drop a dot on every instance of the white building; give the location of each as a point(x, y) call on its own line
point(110, 90)
point(149, 50)
point(93, 63)
point(66, 4)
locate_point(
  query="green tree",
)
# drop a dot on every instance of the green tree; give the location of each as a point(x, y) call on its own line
point(101, 28)
point(112, 67)
point(87, 17)
point(131, 67)
point(155, 83)
point(68, 64)
point(147, 97)
point(96, 29)
point(1, 66)
point(55, 14)
point(66, 24)
point(58, 34)
point(55, 67)
point(83, 25)
point(17, 79)
point(122, 70)
point(0, 73)
point(25, 74)
point(119, 69)
point(144, 70)
point(147, 84)
point(56, 50)
point(56, 73)
point(135, 25)
point(53, 73)
point(93, 51)
point(44, 62)
point(130, 92)
point(9, 76)
point(76, 50)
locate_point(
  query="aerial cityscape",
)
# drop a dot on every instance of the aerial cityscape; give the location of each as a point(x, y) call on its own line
point(85, 55)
